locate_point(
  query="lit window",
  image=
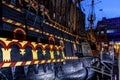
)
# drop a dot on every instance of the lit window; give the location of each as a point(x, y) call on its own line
point(102, 32)
point(110, 31)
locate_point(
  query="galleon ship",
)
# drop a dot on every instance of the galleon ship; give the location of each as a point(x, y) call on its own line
point(44, 40)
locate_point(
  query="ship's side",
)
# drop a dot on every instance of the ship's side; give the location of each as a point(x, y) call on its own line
point(35, 46)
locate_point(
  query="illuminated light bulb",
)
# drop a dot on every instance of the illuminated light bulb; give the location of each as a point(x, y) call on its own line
point(51, 24)
point(37, 30)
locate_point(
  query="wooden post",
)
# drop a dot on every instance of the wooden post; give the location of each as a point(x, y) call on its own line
point(119, 62)
point(74, 28)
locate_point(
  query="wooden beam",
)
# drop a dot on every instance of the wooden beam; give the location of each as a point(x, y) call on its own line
point(74, 28)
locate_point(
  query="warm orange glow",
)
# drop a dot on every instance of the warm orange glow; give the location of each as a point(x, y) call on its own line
point(116, 47)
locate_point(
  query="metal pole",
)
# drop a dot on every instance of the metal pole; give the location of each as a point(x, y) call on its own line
point(119, 62)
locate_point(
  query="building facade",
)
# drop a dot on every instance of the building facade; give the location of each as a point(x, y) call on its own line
point(108, 31)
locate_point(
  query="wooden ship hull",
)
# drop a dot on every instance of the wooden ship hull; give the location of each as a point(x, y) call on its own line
point(35, 47)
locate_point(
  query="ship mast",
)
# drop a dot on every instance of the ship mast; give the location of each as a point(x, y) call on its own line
point(91, 17)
